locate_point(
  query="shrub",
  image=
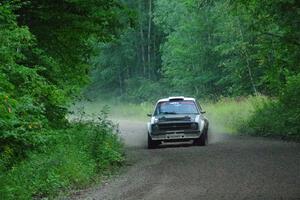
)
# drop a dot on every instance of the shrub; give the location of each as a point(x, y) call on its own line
point(278, 117)
point(69, 158)
point(29, 101)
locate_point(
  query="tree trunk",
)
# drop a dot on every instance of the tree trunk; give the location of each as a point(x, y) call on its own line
point(250, 73)
point(154, 55)
point(248, 62)
point(142, 40)
point(120, 83)
point(149, 38)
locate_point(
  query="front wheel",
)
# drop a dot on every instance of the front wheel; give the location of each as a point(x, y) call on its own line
point(152, 144)
point(202, 140)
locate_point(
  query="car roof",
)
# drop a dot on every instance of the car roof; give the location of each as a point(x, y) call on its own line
point(176, 98)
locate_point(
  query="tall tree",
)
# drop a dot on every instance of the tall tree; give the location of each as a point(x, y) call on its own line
point(149, 38)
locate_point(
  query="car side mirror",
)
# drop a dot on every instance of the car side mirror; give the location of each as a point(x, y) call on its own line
point(203, 112)
point(149, 115)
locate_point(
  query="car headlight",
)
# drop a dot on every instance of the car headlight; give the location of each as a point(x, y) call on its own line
point(155, 127)
point(194, 126)
point(153, 120)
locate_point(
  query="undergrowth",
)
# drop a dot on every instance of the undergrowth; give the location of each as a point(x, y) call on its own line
point(278, 117)
point(67, 158)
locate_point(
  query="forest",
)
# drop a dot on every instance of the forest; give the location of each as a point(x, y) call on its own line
point(54, 52)
point(210, 50)
point(45, 48)
point(206, 48)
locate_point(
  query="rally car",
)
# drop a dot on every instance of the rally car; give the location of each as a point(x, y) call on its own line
point(177, 119)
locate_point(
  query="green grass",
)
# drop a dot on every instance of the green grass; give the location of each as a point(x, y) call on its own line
point(69, 158)
point(228, 115)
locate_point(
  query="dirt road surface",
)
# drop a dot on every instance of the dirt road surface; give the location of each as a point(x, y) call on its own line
point(230, 167)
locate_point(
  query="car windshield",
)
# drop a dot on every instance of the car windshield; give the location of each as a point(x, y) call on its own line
point(176, 107)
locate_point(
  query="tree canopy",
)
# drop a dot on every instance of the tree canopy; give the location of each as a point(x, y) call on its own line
point(204, 48)
point(45, 52)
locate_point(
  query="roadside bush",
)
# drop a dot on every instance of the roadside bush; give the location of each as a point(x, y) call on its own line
point(40, 152)
point(28, 100)
point(71, 157)
point(280, 117)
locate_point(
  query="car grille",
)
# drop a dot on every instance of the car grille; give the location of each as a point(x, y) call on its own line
point(174, 126)
point(166, 119)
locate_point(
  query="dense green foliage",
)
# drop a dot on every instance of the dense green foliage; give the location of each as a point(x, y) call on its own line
point(279, 117)
point(204, 48)
point(44, 60)
point(45, 52)
point(68, 158)
point(130, 65)
point(25, 94)
point(207, 49)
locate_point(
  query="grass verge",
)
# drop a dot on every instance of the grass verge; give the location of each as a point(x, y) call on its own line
point(229, 115)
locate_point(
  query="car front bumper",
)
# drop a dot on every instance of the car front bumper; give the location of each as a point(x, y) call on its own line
point(175, 135)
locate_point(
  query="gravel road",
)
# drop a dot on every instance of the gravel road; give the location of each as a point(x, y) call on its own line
point(229, 167)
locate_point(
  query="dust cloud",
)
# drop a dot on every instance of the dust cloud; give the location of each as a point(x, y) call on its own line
point(216, 132)
point(133, 133)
